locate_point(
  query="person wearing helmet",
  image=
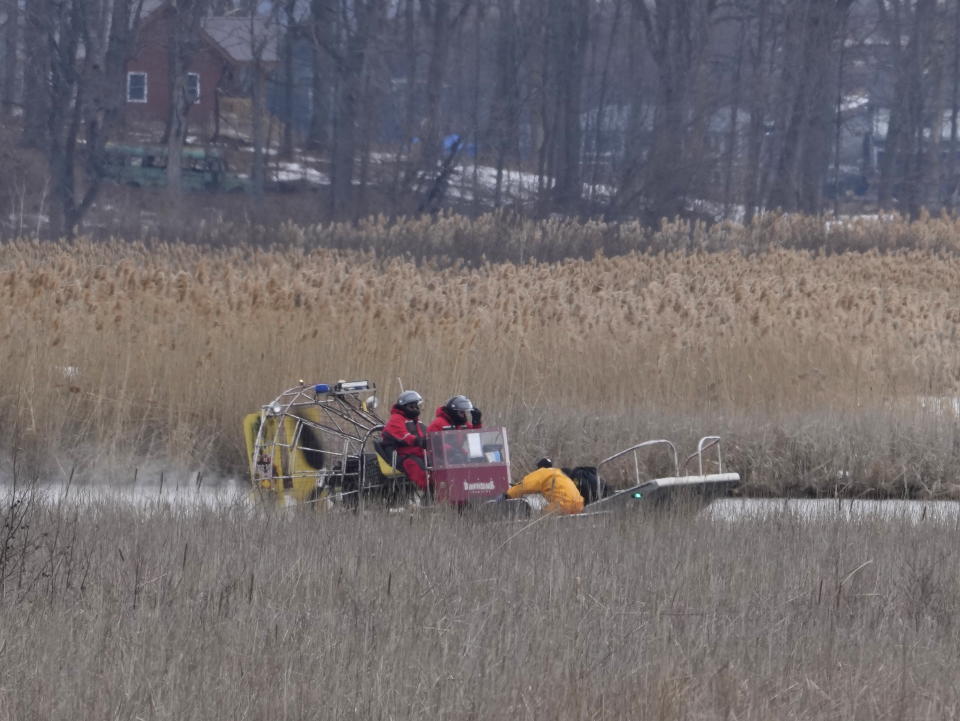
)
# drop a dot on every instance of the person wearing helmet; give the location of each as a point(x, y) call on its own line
point(554, 485)
point(405, 434)
point(454, 414)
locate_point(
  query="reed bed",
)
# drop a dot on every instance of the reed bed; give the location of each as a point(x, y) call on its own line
point(498, 237)
point(170, 613)
point(827, 372)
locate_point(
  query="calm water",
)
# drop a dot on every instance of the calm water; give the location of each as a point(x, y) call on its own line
point(822, 509)
point(228, 492)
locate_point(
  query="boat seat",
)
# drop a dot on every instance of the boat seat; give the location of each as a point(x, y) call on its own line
point(387, 461)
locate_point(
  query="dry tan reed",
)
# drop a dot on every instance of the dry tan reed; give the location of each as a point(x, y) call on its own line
point(166, 614)
point(820, 367)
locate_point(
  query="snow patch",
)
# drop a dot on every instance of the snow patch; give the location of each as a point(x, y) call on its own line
point(292, 172)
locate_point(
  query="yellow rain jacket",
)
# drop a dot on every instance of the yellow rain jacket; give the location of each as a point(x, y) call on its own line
point(561, 493)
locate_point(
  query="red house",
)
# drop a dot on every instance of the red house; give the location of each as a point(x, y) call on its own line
point(229, 50)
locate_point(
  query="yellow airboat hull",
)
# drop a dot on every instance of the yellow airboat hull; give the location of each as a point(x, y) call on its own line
point(284, 470)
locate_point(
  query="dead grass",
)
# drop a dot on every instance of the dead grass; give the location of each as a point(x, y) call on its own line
point(821, 369)
point(166, 613)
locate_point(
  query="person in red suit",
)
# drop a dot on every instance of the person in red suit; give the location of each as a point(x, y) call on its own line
point(453, 414)
point(405, 434)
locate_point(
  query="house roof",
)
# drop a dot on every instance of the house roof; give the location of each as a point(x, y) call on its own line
point(242, 38)
point(239, 38)
point(150, 6)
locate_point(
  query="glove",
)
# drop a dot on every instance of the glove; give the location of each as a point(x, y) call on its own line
point(422, 441)
point(502, 497)
point(475, 416)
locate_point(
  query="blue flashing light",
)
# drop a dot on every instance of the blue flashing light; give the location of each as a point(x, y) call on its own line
point(638, 494)
point(321, 388)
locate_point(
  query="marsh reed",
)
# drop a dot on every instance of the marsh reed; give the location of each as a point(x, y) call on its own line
point(166, 613)
point(826, 371)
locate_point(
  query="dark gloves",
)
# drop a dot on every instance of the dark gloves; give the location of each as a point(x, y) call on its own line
point(422, 441)
point(502, 497)
point(475, 416)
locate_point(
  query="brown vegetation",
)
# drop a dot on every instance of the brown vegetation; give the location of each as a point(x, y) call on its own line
point(813, 365)
point(162, 613)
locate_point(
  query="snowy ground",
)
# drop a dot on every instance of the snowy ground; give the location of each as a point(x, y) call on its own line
point(287, 172)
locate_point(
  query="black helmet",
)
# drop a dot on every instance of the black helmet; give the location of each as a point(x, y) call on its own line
point(544, 463)
point(457, 408)
point(409, 402)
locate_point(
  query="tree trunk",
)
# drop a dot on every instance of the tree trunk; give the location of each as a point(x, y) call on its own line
point(906, 166)
point(176, 123)
point(436, 70)
point(505, 101)
point(569, 46)
point(892, 26)
point(442, 17)
point(63, 120)
point(10, 65)
point(182, 46)
point(323, 47)
point(918, 96)
point(758, 112)
point(345, 129)
point(951, 185)
point(85, 94)
point(804, 151)
point(678, 33)
point(598, 137)
point(732, 148)
point(350, 58)
point(38, 19)
point(259, 170)
point(286, 142)
point(630, 190)
point(818, 133)
point(838, 123)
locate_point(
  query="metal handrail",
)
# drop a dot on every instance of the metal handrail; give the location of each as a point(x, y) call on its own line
point(636, 458)
point(344, 420)
point(705, 443)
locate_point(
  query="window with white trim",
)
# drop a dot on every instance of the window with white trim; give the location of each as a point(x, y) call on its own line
point(136, 87)
point(193, 87)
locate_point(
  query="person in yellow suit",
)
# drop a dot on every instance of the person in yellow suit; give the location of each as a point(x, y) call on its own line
point(561, 492)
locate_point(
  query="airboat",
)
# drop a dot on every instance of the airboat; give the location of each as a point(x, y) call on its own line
point(319, 445)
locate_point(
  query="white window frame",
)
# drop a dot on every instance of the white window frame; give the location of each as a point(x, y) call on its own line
point(196, 99)
point(146, 86)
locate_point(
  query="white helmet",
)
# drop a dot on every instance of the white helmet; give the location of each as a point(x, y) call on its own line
point(408, 398)
point(409, 403)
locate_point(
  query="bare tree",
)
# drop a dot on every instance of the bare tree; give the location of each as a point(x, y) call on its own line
point(356, 24)
point(662, 101)
point(290, 27)
point(567, 32)
point(760, 50)
point(732, 151)
point(678, 35)
point(40, 26)
point(505, 116)
point(11, 41)
point(914, 127)
point(603, 93)
point(261, 32)
point(441, 18)
point(807, 94)
point(950, 183)
point(86, 46)
point(322, 34)
point(182, 45)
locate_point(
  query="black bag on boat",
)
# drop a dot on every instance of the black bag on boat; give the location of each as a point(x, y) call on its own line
point(588, 481)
